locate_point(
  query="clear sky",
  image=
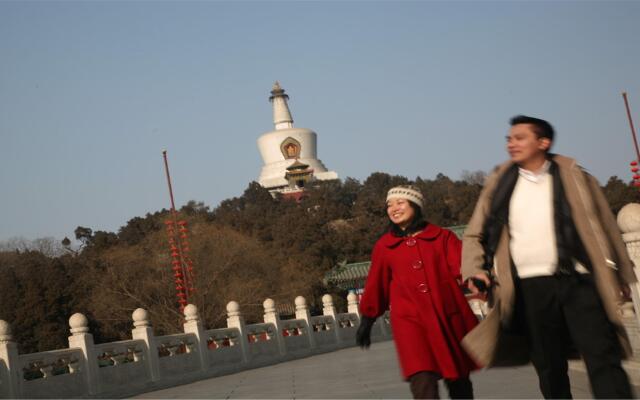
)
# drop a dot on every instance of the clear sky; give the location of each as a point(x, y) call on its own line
point(92, 92)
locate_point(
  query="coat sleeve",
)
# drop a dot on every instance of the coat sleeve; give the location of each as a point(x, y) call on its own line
point(453, 248)
point(375, 299)
point(472, 249)
point(612, 232)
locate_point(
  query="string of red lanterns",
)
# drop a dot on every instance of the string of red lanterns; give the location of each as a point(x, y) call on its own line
point(182, 265)
point(636, 176)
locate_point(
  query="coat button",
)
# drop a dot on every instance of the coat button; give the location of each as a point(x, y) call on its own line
point(417, 264)
point(423, 288)
point(411, 242)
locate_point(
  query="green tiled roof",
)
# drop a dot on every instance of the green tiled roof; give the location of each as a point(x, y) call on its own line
point(458, 230)
point(350, 276)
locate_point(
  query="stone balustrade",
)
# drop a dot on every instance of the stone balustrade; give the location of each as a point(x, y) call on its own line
point(148, 362)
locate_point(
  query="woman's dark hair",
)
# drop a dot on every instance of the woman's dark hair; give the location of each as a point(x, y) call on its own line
point(418, 222)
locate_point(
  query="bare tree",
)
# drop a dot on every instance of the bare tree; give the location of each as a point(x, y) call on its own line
point(49, 246)
point(473, 177)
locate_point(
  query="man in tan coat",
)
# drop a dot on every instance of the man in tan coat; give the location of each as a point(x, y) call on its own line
point(543, 239)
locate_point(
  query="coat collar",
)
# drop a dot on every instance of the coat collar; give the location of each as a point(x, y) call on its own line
point(562, 161)
point(430, 232)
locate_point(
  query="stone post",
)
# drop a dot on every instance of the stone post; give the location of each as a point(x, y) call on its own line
point(329, 310)
point(235, 320)
point(272, 316)
point(302, 312)
point(81, 339)
point(194, 325)
point(9, 368)
point(143, 331)
point(352, 304)
point(629, 223)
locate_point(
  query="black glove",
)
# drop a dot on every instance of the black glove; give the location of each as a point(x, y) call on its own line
point(363, 335)
point(479, 283)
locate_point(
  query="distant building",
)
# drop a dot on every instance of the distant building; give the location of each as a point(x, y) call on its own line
point(289, 154)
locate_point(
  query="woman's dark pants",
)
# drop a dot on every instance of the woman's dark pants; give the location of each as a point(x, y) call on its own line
point(424, 385)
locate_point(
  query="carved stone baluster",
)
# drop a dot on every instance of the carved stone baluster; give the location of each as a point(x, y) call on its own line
point(194, 325)
point(329, 311)
point(10, 374)
point(235, 320)
point(143, 331)
point(271, 316)
point(81, 338)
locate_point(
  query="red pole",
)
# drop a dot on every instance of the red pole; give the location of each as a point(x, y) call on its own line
point(633, 130)
point(179, 246)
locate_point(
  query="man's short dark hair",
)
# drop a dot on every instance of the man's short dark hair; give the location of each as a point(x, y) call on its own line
point(541, 127)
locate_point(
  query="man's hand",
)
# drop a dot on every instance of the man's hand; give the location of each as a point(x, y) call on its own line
point(363, 334)
point(625, 292)
point(479, 283)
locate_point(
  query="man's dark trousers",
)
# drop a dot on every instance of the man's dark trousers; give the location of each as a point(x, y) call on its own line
point(562, 309)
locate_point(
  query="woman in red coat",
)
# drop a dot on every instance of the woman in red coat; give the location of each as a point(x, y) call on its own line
point(415, 272)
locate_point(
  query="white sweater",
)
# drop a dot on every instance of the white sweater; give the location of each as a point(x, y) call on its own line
point(531, 227)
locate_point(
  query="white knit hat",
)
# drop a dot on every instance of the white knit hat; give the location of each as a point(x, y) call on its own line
point(407, 192)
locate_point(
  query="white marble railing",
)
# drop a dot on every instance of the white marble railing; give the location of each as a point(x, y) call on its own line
point(149, 362)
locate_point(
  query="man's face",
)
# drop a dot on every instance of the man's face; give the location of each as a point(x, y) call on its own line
point(524, 145)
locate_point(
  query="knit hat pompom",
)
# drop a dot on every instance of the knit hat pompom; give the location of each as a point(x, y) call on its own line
point(407, 192)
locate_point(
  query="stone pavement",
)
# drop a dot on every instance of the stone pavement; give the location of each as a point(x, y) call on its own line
point(355, 374)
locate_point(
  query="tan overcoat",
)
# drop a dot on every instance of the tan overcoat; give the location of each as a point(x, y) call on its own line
point(492, 345)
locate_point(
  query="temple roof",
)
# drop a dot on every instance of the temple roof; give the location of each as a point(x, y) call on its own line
point(297, 165)
point(348, 276)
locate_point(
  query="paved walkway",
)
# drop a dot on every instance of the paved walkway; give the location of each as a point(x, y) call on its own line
point(354, 374)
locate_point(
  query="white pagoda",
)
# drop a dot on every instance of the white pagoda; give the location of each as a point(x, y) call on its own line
point(289, 154)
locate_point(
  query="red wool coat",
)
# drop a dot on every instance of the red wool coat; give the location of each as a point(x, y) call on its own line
point(418, 279)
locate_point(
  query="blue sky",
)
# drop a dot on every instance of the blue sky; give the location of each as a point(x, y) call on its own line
point(92, 92)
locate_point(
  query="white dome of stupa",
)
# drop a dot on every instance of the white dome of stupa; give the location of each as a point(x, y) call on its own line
point(285, 146)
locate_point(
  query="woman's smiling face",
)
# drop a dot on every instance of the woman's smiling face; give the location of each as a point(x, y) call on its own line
point(400, 212)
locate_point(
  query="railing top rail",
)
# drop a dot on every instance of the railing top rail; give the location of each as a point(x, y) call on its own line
point(220, 330)
point(175, 336)
point(50, 353)
point(120, 343)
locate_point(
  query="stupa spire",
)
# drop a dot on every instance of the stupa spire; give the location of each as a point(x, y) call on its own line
point(281, 114)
